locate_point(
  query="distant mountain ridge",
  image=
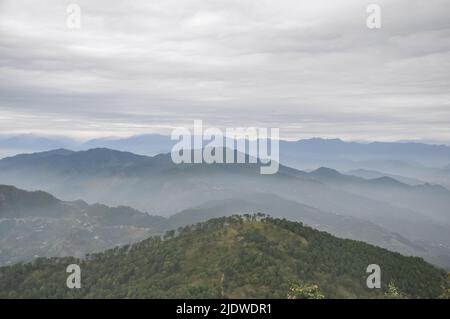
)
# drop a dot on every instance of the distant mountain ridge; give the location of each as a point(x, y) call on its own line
point(371, 174)
point(104, 162)
point(420, 161)
point(152, 144)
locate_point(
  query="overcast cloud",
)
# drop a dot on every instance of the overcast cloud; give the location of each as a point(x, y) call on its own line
point(312, 68)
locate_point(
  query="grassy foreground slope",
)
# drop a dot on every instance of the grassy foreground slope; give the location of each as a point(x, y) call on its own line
point(229, 257)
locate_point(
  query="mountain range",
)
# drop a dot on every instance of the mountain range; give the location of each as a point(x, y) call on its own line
point(383, 211)
point(409, 160)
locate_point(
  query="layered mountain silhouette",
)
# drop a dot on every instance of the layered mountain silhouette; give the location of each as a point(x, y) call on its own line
point(401, 217)
point(151, 144)
point(370, 174)
point(405, 159)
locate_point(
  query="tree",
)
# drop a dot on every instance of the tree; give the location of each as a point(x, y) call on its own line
point(305, 291)
point(393, 292)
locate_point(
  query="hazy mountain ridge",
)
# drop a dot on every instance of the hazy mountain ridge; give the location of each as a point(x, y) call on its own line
point(156, 185)
point(152, 144)
point(124, 177)
point(426, 162)
point(431, 200)
point(410, 160)
point(370, 174)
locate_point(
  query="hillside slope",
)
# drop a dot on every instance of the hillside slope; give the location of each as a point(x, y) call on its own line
point(37, 224)
point(230, 257)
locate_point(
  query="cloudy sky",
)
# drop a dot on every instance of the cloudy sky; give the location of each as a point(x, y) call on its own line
point(311, 68)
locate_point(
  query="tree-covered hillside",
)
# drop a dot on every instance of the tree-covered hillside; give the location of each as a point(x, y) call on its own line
point(229, 257)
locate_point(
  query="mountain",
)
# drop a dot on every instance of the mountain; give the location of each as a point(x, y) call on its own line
point(275, 206)
point(65, 161)
point(36, 224)
point(115, 178)
point(230, 257)
point(11, 145)
point(324, 152)
point(427, 199)
point(407, 159)
point(17, 203)
point(152, 183)
point(370, 174)
point(158, 186)
point(426, 154)
point(147, 144)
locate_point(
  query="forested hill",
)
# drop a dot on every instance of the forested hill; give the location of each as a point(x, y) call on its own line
point(229, 257)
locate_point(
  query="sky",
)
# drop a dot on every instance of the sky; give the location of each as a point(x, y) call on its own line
point(310, 68)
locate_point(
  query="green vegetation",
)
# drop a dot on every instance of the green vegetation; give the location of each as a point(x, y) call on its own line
point(446, 294)
point(305, 291)
point(393, 292)
point(230, 257)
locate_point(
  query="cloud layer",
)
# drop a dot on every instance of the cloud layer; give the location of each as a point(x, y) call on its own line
point(312, 68)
